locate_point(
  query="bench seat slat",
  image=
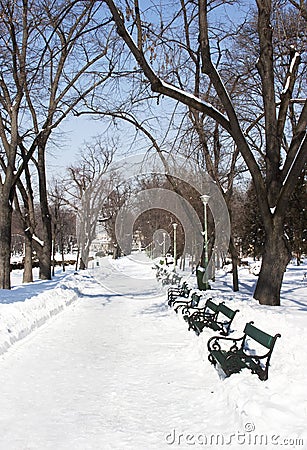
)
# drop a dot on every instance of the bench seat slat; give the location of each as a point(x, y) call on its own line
point(230, 362)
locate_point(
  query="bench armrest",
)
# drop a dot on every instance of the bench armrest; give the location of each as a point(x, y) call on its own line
point(214, 344)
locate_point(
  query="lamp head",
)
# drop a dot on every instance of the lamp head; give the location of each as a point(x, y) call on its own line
point(205, 198)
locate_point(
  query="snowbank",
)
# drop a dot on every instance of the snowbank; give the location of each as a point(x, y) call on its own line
point(23, 309)
point(123, 372)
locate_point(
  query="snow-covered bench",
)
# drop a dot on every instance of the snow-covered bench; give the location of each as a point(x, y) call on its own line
point(171, 278)
point(238, 354)
point(192, 307)
point(176, 279)
point(177, 291)
point(217, 317)
point(191, 302)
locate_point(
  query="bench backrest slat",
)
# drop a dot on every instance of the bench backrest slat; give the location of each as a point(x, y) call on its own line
point(263, 338)
point(227, 311)
point(211, 305)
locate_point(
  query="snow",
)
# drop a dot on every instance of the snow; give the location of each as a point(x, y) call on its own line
point(88, 367)
point(296, 56)
point(37, 239)
point(27, 307)
point(173, 88)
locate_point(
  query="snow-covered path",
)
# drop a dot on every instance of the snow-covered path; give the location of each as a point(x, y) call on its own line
point(115, 371)
point(93, 378)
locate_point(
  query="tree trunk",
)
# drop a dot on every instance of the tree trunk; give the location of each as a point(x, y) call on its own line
point(53, 255)
point(5, 243)
point(45, 264)
point(27, 270)
point(235, 261)
point(82, 265)
point(46, 249)
point(235, 276)
point(63, 256)
point(275, 259)
point(77, 259)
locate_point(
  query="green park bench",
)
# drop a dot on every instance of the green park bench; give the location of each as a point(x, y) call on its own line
point(239, 355)
point(177, 291)
point(217, 317)
point(176, 278)
point(191, 302)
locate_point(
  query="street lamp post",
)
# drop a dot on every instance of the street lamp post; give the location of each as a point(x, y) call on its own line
point(202, 276)
point(175, 225)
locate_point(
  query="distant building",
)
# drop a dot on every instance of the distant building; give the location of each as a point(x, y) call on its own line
point(102, 243)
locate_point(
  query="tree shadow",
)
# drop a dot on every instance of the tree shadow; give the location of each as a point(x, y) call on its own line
point(156, 309)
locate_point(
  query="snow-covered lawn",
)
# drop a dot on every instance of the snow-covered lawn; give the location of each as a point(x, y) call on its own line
point(118, 369)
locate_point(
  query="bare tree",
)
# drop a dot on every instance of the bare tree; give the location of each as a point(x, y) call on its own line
point(86, 188)
point(63, 223)
point(53, 56)
point(283, 141)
